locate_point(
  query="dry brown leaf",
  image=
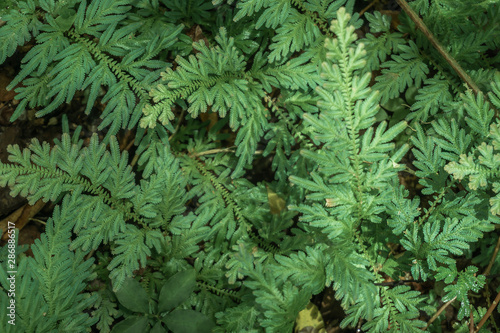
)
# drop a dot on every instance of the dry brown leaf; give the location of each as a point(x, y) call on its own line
point(21, 217)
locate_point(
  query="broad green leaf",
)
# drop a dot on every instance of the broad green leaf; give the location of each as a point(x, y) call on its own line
point(132, 296)
point(158, 328)
point(133, 324)
point(188, 321)
point(176, 290)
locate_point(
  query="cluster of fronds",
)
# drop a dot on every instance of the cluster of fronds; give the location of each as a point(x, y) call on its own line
point(185, 235)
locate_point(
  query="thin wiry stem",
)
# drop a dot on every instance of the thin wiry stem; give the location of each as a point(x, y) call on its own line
point(453, 63)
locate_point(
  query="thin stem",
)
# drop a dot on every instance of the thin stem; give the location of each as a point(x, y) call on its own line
point(89, 255)
point(471, 322)
point(493, 257)
point(38, 220)
point(439, 312)
point(221, 150)
point(181, 117)
point(435, 203)
point(488, 313)
point(368, 7)
point(410, 171)
point(453, 63)
point(214, 151)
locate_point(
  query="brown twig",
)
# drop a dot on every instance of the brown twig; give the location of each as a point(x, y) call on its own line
point(453, 63)
point(497, 299)
point(488, 313)
point(493, 257)
point(368, 7)
point(439, 312)
point(471, 322)
point(215, 151)
point(178, 125)
point(487, 274)
point(396, 283)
